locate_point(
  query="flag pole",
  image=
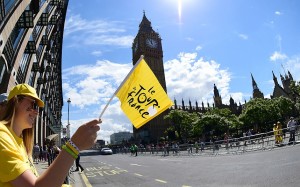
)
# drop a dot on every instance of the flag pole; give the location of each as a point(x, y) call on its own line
point(123, 82)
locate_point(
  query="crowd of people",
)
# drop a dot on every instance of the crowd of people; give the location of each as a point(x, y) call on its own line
point(45, 153)
point(227, 141)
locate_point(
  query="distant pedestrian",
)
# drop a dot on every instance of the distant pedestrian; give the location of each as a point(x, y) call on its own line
point(196, 145)
point(292, 124)
point(135, 148)
point(36, 153)
point(78, 164)
point(202, 144)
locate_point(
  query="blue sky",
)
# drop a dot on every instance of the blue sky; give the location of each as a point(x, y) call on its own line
point(205, 42)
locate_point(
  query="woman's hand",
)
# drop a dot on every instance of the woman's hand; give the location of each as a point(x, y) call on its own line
point(86, 135)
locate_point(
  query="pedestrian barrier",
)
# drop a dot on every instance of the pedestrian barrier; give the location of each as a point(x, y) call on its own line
point(257, 142)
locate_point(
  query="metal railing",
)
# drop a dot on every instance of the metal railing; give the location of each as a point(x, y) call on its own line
point(257, 142)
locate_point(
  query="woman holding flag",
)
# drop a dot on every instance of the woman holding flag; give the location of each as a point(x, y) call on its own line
point(17, 118)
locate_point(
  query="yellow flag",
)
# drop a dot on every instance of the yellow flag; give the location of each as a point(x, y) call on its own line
point(142, 97)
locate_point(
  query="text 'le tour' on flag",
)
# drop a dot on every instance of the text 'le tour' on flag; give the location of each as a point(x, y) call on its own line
point(141, 95)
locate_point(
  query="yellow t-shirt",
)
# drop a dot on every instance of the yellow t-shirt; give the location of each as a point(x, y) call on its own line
point(13, 157)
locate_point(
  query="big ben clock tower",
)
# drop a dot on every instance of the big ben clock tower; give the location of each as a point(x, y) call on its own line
point(148, 43)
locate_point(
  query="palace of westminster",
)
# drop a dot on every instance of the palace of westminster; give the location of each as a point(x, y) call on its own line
point(31, 37)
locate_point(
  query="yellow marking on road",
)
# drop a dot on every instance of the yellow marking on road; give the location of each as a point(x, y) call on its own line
point(138, 174)
point(186, 186)
point(85, 180)
point(158, 180)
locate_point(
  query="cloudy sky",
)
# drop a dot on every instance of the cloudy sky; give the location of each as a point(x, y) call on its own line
point(205, 42)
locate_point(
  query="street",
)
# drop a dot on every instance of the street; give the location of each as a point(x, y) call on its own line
point(278, 167)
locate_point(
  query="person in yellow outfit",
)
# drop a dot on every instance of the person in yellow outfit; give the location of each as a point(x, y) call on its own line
point(17, 119)
point(279, 138)
point(275, 132)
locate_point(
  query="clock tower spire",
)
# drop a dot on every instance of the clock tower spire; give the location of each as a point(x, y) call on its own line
point(148, 43)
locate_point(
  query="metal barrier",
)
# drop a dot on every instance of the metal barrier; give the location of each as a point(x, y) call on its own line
point(257, 142)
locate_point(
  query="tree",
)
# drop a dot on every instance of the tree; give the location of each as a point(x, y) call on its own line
point(295, 87)
point(285, 106)
point(262, 113)
point(177, 119)
point(256, 113)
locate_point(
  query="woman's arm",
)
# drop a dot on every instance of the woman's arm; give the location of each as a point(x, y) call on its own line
point(84, 138)
point(53, 176)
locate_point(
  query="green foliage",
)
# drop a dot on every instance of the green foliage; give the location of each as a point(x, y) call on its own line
point(260, 113)
point(295, 87)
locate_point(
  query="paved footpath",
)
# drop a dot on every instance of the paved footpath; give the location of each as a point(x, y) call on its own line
point(77, 179)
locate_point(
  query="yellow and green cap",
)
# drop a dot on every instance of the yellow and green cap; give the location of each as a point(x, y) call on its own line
point(25, 89)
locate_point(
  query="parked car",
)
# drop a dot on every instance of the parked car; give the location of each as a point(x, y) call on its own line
point(106, 151)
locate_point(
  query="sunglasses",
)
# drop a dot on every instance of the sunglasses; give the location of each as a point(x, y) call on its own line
point(34, 105)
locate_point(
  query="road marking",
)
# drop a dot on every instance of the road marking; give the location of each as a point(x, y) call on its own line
point(135, 165)
point(117, 168)
point(170, 160)
point(138, 174)
point(186, 186)
point(85, 180)
point(158, 180)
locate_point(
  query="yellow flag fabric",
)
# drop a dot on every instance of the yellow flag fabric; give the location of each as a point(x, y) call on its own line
point(142, 97)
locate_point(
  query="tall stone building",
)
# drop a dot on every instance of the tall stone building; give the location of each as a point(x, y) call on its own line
point(31, 35)
point(256, 92)
point(218, 103)
point(283, 90)
point(148, 43)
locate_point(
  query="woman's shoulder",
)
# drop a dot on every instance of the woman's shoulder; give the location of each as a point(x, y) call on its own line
point(3, 127)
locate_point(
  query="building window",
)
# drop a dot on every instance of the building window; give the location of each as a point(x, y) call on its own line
point(2, 69)
point(26, 20)
point(23, 68)
point(8, 5)
point(31, 79)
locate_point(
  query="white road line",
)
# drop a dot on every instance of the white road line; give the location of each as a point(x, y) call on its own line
point(170, 160)
point(135, 165)
point(186, 186)
point(158, 180)
point(138, 174)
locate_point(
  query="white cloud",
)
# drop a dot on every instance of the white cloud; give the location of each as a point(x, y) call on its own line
point(243, 36)
point(89, 84)
point(278, 56)
point(293, 65)
point(96, 53)
point(189, 39)
point(96, 32)
point(268, 96)
point(278, 13)
point(190, 78)
point(199, 47)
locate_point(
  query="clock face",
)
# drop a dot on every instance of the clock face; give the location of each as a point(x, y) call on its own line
point(151, 43)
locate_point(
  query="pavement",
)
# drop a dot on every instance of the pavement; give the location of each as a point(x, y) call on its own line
point(77, 179)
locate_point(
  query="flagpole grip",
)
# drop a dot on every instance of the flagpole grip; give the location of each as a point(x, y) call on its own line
point(106, 107)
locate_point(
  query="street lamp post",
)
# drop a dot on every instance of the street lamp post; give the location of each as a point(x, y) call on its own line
point(68, 126)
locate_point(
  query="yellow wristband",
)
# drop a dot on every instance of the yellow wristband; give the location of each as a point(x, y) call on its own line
point(72, 148)
point(70, 151)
